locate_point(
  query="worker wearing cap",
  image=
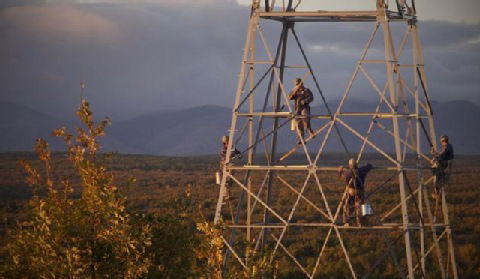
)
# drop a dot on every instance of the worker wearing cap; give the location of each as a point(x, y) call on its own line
point(441, 161)
point(354, 177)
point(303, 97)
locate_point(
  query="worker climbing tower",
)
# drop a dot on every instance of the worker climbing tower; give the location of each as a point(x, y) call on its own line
point(281, 202)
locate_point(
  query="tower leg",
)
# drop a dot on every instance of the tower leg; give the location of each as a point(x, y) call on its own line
point(251, 77)
point(418, 147)
point(277, 102)
point(241, 78)
point(418, 61)
point(391, 60)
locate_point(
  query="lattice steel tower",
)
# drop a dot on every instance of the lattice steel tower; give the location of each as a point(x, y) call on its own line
point(285, 197)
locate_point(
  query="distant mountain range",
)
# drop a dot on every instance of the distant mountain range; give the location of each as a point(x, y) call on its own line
point(198, 130)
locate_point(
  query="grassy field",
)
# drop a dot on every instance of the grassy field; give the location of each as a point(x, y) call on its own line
point(149, 182)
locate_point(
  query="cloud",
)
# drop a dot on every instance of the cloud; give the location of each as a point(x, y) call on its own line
point(145, 57)
point(65, 23)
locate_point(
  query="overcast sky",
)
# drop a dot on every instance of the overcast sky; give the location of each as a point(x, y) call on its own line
point(142, 56)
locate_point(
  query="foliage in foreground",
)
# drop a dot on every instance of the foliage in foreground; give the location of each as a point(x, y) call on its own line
point(95, 235)
point(92, 236)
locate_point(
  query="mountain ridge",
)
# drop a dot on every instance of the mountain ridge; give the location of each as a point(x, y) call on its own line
point(198, 130)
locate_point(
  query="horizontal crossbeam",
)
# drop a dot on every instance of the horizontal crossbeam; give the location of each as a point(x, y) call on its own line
point(286, 114)
point(332, 16)
point(386, 226)
point(308, 167)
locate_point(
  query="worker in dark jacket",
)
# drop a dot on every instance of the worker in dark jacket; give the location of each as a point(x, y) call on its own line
point(302, 97)
point(441, 162)
point(354, 177)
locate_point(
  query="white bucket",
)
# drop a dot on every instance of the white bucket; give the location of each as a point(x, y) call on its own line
point(367, 209)
point(218, 177)
point(293, 124)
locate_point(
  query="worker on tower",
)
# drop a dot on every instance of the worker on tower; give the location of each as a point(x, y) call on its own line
point(223, 158)
point(223, 152)
point(354, 177)
point(440, 163)
point(303, 97)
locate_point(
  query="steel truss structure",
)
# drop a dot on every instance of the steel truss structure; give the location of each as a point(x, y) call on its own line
point(271, 186)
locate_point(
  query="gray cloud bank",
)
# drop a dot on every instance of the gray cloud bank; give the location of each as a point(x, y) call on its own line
point(142, 57)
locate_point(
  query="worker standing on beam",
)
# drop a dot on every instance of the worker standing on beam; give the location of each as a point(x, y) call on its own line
point(355, 179)
point(303, 97)
point(441, 162)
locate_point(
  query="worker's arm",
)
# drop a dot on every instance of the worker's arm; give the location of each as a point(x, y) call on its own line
point(446, 154)
point(292, 94)
point(441, 155)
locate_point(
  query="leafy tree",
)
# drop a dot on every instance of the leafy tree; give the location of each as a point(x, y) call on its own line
point(90, 237)
point(211, 249)
point(176, 242)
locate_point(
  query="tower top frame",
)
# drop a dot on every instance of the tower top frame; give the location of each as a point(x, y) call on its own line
point(401, 10)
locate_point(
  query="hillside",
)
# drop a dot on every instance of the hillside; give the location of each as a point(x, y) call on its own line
point(198, 130)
